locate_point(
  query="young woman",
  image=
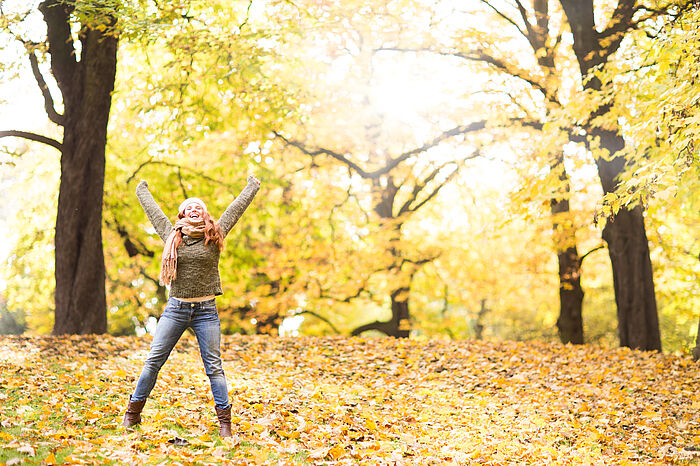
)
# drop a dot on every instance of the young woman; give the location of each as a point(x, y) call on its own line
point(190, 266)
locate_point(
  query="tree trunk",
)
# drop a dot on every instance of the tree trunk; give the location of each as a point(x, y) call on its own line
point(86, 86)
point(696, 350)
point(638, 323)
point(625, 234)
point(399, 325)
point(479, 322)
point(570, 321)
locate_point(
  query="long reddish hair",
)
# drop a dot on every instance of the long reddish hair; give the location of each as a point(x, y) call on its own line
point(212, 231)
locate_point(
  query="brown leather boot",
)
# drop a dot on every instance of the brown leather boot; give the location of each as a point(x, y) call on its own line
point(224, 416)
point(133, 413)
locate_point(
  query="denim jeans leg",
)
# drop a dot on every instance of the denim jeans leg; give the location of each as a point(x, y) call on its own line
point(207, 328)
point(168, 332)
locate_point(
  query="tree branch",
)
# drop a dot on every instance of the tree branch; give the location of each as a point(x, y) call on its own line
point(320, 151)
point(179, 167)
point(620, 22)
point(438, 188)
point(247, 16)
point(63, 62)
point(48, 100)
point(418, 262)
point(418, 188)
point(322, 293)
point(132, 249)
point(504, 16)
point(348, 196)
point(161, 291)
point(384, 327)
point(33, 137)
point(523, 15)
point(182, 184)
point(462, 129)
point(580, 261)
point(391, 163)
point(319, 317)
point(480, 56)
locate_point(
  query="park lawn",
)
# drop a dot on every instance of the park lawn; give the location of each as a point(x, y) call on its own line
point(349, 401)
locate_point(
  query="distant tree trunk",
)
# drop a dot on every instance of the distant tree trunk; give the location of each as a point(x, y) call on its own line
point(479, 323)
point(625, 234)
point(268, 324)
point(570, 321)
point(86, 86)
point(399, 325)
point(696, 350)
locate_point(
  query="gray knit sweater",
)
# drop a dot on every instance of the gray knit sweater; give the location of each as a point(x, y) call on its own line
point(197, 263)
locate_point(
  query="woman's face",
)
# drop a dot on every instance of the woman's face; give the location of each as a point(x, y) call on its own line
point(194, 211)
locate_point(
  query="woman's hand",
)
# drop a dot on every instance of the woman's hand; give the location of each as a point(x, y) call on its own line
point(253, 179)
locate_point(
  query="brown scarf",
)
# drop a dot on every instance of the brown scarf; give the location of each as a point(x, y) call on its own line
point(168, 265)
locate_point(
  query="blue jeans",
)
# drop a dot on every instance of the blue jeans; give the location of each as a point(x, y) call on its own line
point(177, 316)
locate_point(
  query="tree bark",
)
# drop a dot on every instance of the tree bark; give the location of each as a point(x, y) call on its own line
point(638, 322)
point(625, 234)
point(696, 350)
point(628, 247)
point(399, 325)
point(570, 321)
point(479, 321)
point(86, 86)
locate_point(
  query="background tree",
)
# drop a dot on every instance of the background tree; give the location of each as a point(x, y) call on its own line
point(528, 82)
point(393, 173)
point(632, 270)
point(654, 87)
point(387, 179)
point(625, 234)
point(85, 78)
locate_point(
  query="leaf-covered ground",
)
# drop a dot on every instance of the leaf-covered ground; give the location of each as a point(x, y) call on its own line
point(349, 401)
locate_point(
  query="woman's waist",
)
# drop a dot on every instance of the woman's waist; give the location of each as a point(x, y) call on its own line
point(188, 305)
point(199, 299)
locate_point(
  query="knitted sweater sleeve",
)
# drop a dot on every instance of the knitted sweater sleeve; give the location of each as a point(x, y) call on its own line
point(238, 206)
point(153, 211)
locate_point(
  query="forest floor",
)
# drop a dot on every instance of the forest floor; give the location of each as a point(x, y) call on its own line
point(349, 401)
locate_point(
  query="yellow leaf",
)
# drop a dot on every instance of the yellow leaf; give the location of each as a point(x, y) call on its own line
point(371, 425)
point(319, 453)
point(336, 452)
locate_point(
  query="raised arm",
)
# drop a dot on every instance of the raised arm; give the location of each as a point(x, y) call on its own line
point(154, 213)
point(239, 205)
